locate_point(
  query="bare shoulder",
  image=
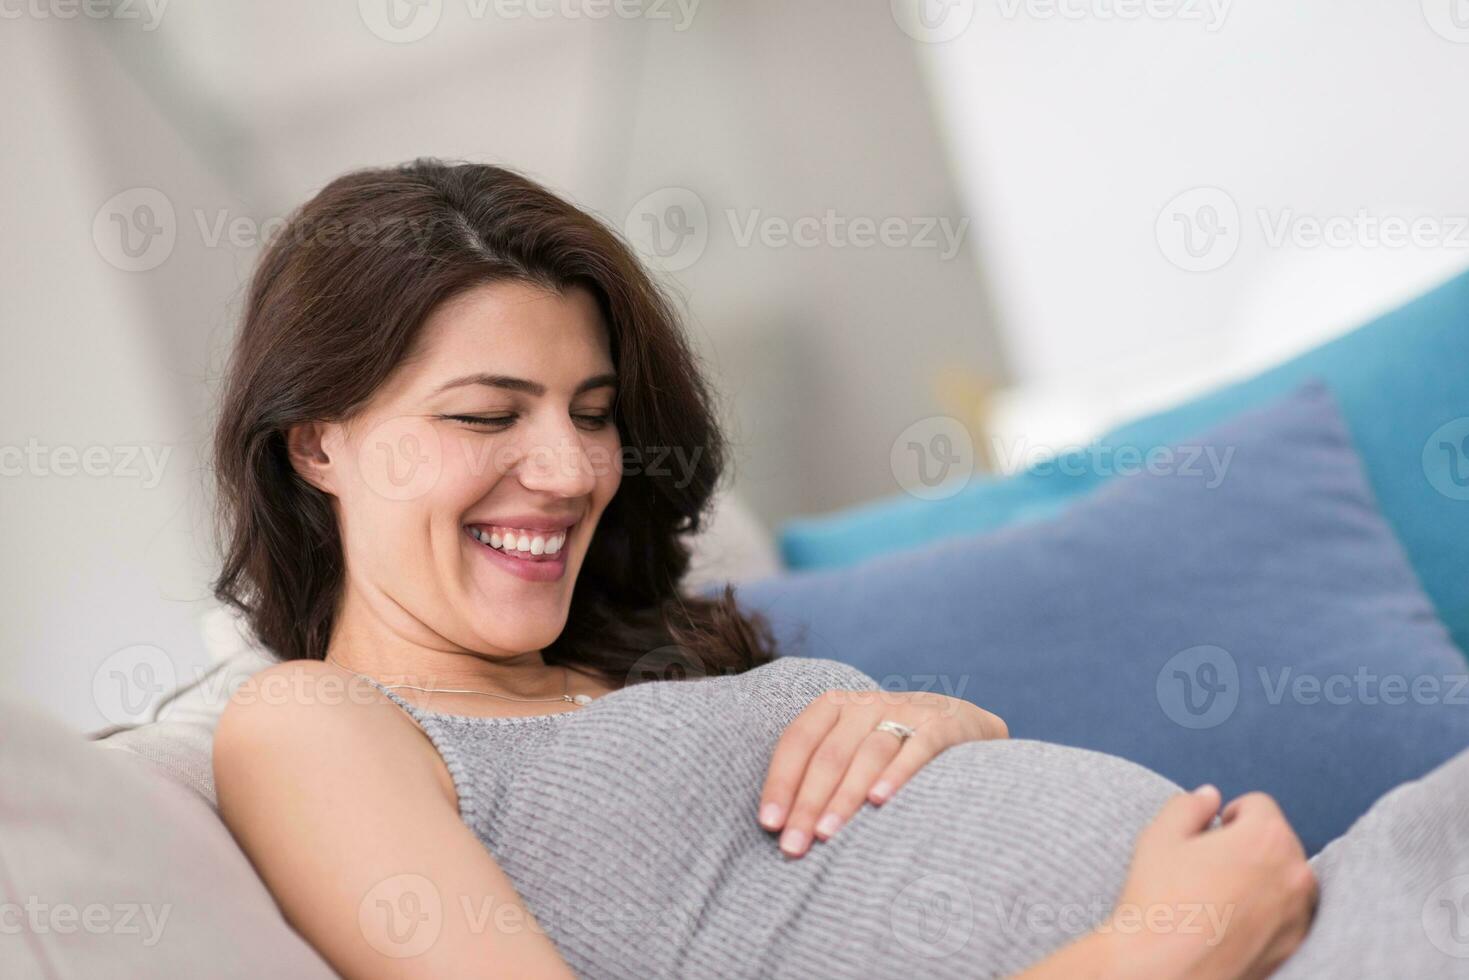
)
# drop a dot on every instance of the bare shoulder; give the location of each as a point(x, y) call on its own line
point(300, 719)
point(335, 795)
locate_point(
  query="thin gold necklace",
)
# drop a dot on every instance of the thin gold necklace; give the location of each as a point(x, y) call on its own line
point(577, 699)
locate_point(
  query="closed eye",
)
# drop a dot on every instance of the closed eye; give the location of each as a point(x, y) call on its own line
point(501, 422)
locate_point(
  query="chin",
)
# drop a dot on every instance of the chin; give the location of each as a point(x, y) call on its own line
point(530, 637)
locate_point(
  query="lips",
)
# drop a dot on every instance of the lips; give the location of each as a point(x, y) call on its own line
point(543, 567)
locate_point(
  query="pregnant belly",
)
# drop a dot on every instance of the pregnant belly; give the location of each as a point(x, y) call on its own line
point(992, 856)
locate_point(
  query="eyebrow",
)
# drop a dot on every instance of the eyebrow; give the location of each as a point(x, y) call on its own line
point(521, 384)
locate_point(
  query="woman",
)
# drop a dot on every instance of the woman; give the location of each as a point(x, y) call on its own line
point(461, 443)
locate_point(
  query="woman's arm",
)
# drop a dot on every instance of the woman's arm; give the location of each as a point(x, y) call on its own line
point(1213, 904)
point(335, 795)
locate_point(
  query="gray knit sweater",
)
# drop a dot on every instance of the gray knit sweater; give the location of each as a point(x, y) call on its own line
point(629, 829)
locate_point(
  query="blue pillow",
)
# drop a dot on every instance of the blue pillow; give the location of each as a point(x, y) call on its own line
point(1403, 385)
point(1262, 632)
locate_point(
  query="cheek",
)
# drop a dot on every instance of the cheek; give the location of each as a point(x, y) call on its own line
point(607, 466)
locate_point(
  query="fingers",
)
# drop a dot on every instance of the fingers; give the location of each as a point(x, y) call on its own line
point(874, 756)
point(788, 763)
point(1254, 806)
point(828, 765)
point(914, 755)
point(1186, 814)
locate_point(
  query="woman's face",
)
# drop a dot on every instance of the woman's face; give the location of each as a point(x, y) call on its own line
point(471, 486)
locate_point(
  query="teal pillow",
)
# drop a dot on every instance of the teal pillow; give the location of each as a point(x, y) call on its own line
point(1402, 382)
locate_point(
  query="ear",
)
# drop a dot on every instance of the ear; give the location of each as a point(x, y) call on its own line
point(309, 446)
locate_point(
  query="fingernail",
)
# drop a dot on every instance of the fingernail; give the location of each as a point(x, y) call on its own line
point(1205, 790)
point(828, 825)
point(793, 841)
point(770, 816)
point(880, 792)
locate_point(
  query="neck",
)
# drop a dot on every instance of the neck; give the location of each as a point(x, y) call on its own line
point(393, 647)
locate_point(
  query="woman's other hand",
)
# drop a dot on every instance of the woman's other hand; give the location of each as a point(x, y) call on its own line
point(1243, 888)
point(832, 757)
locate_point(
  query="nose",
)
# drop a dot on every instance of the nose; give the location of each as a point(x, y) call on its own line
point(555, 461)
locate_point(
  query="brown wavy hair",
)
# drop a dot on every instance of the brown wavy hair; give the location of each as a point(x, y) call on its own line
point(337, 302)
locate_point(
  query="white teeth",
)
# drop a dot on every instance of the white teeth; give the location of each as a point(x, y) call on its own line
point(540, 544)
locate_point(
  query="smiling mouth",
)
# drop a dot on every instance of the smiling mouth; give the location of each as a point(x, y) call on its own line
point(522, 543)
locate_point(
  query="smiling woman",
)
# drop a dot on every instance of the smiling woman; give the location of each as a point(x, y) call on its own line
point(421, 458)
point(415, 335)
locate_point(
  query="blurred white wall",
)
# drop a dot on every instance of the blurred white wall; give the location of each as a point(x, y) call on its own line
point(789, 126)
point(1090, 136)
